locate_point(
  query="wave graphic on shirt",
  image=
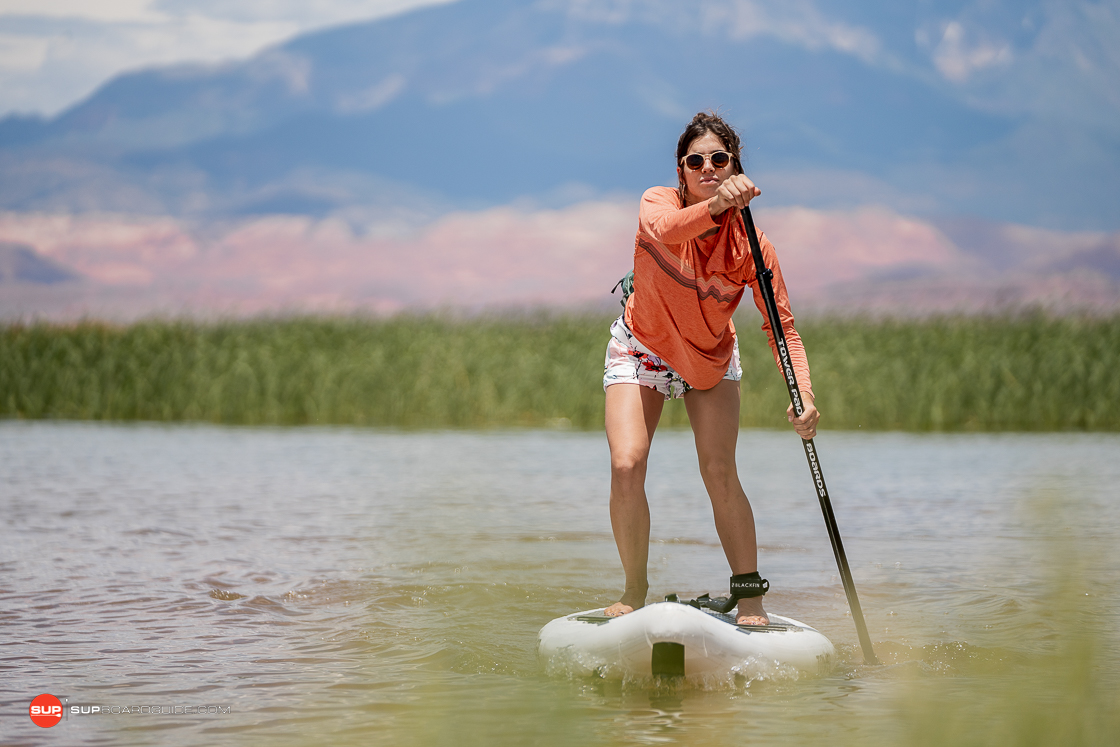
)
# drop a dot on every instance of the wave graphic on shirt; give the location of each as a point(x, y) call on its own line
point(684, 274)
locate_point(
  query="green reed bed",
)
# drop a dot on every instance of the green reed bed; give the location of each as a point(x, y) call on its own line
point(973, 373)
point(1029, 373)
point(407, 371)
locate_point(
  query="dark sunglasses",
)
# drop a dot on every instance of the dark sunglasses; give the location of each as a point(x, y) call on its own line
point(695, 161)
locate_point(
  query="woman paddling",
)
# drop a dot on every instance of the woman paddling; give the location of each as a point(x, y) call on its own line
point(692, 261)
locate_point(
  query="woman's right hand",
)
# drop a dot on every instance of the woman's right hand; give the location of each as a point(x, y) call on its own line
point(806, 425)
point(736, 191)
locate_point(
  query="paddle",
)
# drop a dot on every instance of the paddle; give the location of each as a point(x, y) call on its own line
point(766, 287)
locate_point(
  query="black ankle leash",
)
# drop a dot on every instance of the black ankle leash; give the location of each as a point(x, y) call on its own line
point(743, 586)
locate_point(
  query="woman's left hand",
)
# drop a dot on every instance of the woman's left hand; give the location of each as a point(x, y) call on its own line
point(806, 425)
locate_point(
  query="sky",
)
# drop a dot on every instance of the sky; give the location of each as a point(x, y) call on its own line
point(54, 53)
point(1040, 57)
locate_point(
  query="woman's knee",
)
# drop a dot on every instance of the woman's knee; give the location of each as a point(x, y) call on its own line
point(719, 472)
point(629, 465)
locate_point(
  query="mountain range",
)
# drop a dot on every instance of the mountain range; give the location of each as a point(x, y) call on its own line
point(870, 260)
point(481, 102)
point(383, 133)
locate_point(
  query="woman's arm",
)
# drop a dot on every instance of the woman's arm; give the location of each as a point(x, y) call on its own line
point(806, 425)
point(781, 298)
point(661, 217)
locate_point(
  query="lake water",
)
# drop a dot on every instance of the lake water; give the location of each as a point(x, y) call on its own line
point(334, 586)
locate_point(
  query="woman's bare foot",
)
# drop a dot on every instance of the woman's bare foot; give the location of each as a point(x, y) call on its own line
point(618, 608)
point(751, 612)
point(631, 600)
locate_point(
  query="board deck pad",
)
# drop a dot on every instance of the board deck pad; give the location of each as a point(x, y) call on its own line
point(600, 619)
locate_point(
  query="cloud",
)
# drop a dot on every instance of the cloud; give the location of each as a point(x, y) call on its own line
point(795, 22)
point(799, 23)
point(1050, 59)
point(373, 97)
point(21, 54)
point(300, 12)
point(55, 52)
point(958, 57)
point(106, 10)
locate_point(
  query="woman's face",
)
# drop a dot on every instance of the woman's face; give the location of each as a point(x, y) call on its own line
point(702, 184)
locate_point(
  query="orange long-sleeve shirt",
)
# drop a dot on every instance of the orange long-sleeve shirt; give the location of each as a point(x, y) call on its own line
point(687, 288)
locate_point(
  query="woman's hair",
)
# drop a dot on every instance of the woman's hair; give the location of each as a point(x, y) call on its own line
point(702, 124)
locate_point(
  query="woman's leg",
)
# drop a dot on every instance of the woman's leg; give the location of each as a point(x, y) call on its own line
point(714, 414)
point(632, 413)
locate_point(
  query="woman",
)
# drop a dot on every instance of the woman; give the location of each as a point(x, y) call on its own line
point(692, 261)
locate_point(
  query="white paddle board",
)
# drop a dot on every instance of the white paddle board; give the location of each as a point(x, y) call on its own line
point(670, 638)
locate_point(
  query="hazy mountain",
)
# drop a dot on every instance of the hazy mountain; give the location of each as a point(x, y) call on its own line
point(20, 263)
point(868, 260)
point(482, 102)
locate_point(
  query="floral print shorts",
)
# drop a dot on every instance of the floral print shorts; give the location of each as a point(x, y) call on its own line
point(630, 362)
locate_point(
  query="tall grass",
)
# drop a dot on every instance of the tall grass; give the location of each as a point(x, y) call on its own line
point(957, 373)
point(943, 374)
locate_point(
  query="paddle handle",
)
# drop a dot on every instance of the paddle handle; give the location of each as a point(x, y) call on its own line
point(765, 278)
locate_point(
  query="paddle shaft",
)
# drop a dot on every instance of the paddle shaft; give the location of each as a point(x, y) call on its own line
point(766, 286)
